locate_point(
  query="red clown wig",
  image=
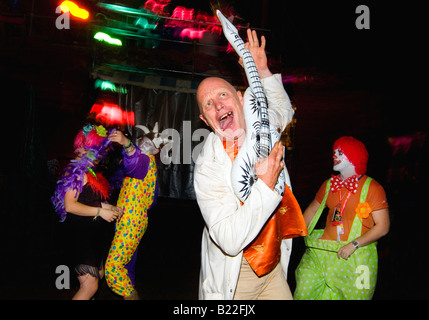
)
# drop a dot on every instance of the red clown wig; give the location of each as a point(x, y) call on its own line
point(355, 151)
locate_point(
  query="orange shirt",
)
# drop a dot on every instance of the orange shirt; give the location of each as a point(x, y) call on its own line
point(287, 222)
point(376, 199)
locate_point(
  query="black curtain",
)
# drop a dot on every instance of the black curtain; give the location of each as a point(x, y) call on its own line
point(177, 115)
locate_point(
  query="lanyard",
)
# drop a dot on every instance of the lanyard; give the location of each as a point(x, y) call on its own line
point(338, 216)
point(345, 202)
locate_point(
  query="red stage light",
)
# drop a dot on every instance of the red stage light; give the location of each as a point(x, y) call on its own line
point(113, 114)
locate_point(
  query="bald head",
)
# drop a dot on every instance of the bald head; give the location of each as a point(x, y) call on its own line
point(208, 84)
point(221, 107)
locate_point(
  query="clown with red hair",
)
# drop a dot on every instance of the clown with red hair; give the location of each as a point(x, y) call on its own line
point(340, 261)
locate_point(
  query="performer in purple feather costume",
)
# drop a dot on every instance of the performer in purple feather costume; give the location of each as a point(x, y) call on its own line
point(81, 201)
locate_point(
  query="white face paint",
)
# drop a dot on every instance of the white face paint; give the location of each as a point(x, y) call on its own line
point(341, 163)
point(147, 146)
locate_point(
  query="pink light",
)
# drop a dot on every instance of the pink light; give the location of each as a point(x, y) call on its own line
point(403, 144)
point(192, 33)
point(203, 17)
point(185, 18)
point(180, 14)
point(183, 13)
point(156, 7)
point(297, 79)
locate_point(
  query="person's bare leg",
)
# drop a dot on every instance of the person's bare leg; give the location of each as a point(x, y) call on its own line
point(88, 287)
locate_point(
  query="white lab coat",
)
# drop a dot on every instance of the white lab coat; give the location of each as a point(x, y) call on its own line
point(230, 227)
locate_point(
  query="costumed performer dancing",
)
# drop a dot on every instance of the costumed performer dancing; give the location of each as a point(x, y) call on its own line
point(137, 194)
point(80, 200)
point(340, 261)
point(237, 233)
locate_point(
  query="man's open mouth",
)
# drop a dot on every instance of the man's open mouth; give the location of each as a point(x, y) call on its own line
point(226, 120)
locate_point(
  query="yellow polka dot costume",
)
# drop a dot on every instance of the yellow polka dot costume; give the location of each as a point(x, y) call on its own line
point(135, 197)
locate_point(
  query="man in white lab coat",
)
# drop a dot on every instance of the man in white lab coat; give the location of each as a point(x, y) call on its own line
point(232, 228)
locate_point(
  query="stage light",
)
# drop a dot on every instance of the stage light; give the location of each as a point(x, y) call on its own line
point(105, 85)
point(74, 9)
point(101, 36)
point(112, 114)
point(144, 24)
point(192, 33)
point(156, 6)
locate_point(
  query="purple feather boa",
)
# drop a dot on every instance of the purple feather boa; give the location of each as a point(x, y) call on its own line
point(73, 175)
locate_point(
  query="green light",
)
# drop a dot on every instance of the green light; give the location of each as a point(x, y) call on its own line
point(127, 10)
point(107, 85)
point(142, 19)
point(101, 36)
point(144, 23)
